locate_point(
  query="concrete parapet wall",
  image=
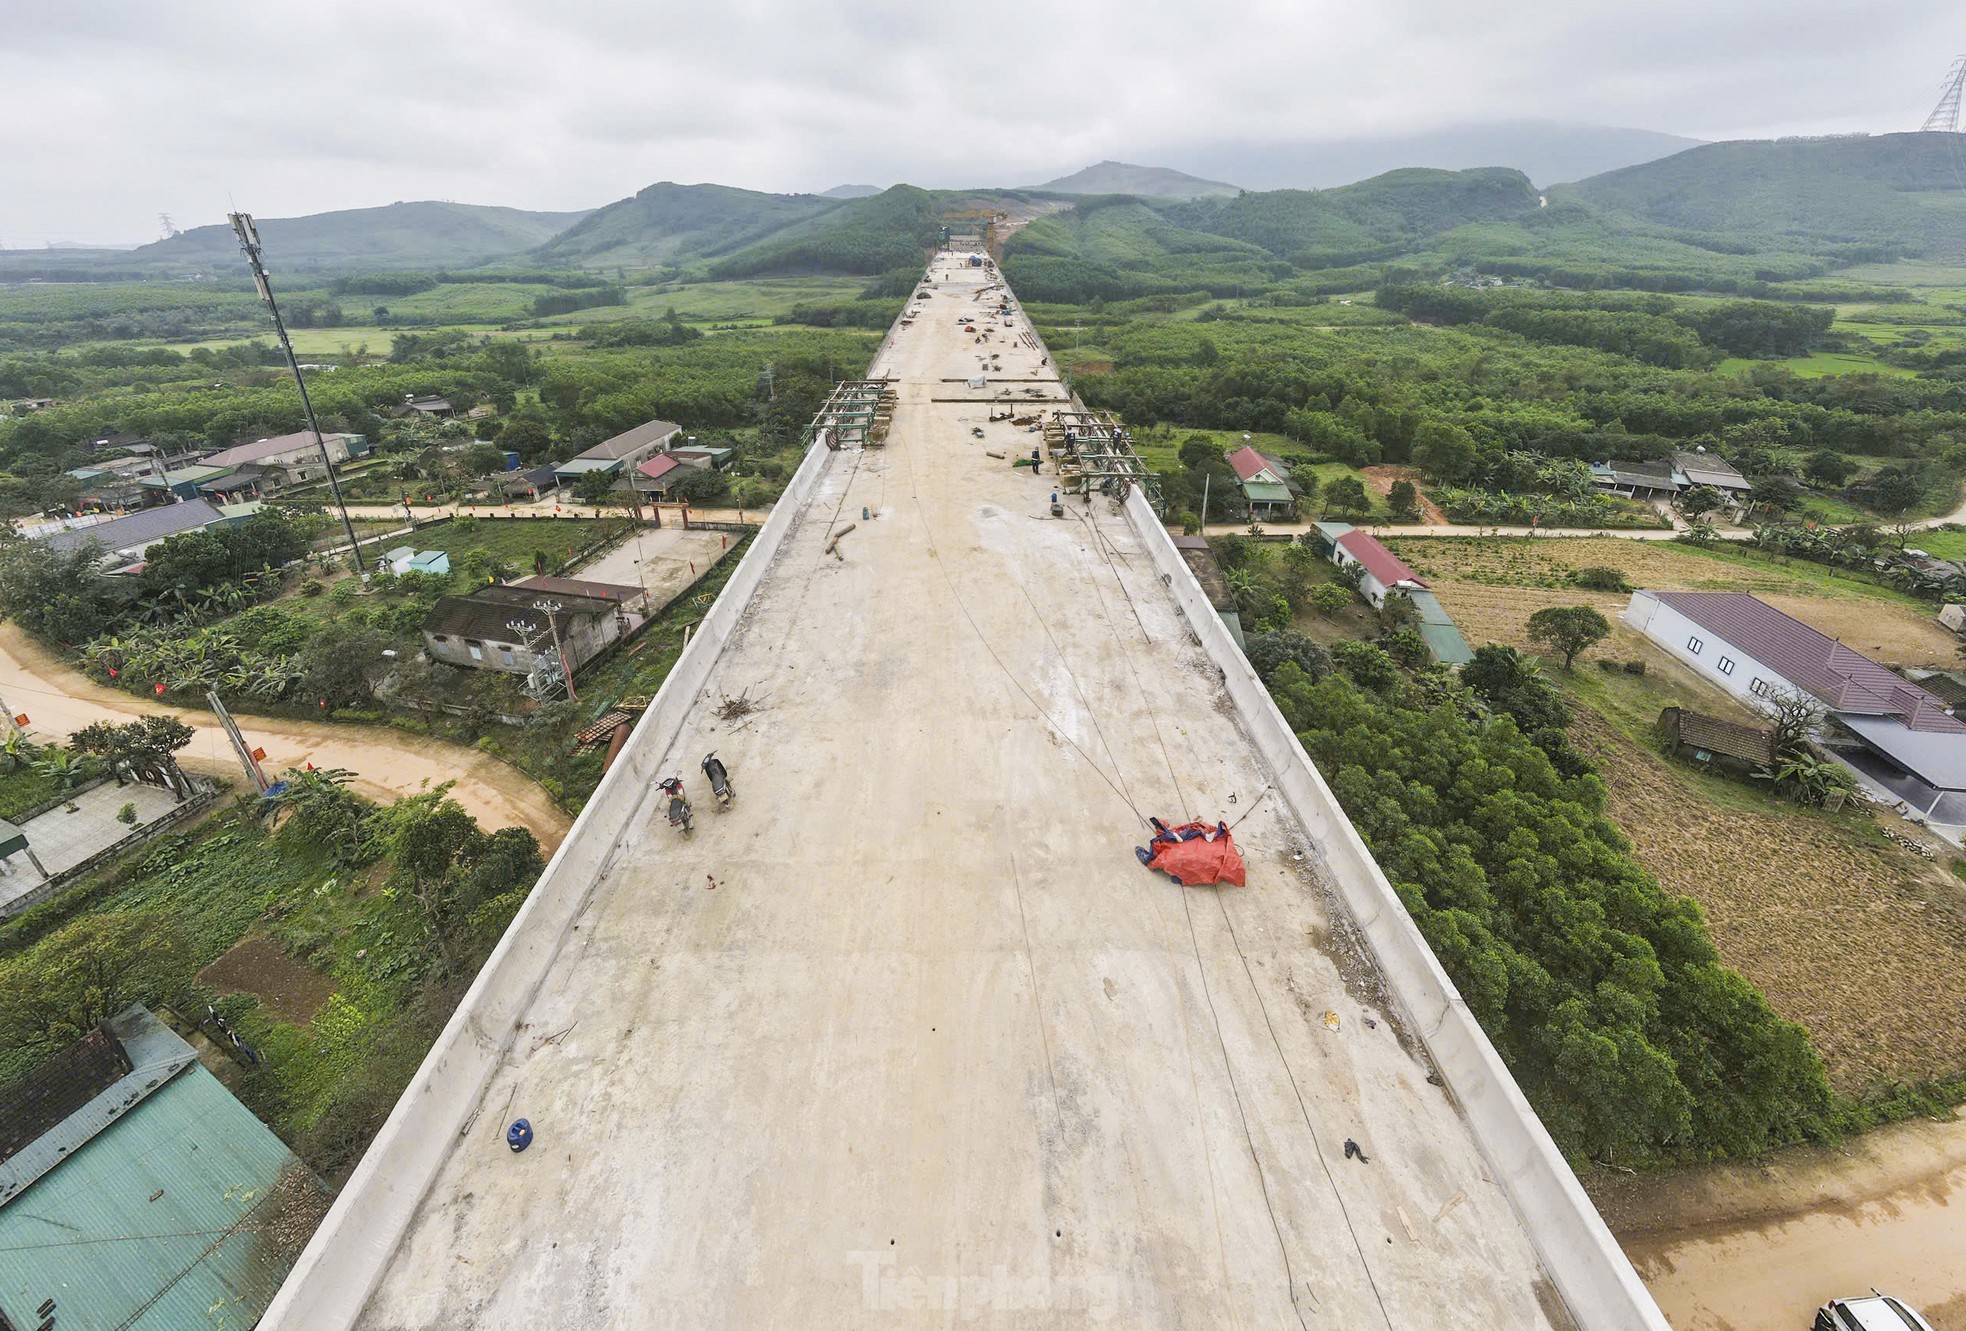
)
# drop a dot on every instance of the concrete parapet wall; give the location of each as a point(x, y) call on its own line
point(348, 1254)
point(1583, 1260)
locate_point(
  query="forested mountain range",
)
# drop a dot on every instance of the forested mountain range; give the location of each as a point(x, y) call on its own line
point(1723, 215)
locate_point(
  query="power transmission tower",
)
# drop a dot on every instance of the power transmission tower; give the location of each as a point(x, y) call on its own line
point(242, 227)
point(1945, 116)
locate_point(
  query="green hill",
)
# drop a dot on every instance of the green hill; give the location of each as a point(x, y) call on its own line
point(401, 235)
point(668, 223)
point(1150, 182)
point(1119, 246)
point(1373, 219)
point(1849, 196)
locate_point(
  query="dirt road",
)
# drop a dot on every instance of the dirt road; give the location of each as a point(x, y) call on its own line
point(1757, 1247)
point(59, 701)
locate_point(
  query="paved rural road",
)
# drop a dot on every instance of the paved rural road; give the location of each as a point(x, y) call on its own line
point(59, 701)
point(1388, 531)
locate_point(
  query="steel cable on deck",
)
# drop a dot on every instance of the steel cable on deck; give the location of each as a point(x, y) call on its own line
point(935, 556)
point(1249, 974)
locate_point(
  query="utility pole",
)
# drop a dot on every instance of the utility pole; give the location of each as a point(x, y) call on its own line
point(550, 609)
point(1205, 479)
point(247, 759)
point(13, 726)
point(248, 234)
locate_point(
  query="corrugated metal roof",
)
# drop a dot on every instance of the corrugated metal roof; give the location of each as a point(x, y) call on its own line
point(172, 1215)
point(1445, 644)
point(137, 529)
point(1265, 492)
point(301, 441)
point(630, 442)
point(1380, 562)
point(1709, 469)
point(1843, 679)
point(1938, 759)
point(191, 475)
point(1429, 608)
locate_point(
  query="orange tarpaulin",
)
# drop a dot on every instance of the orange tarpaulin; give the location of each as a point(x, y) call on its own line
point(1195, 853)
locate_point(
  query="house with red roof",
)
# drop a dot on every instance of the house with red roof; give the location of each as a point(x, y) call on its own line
point(655, 476)
point(1264, 493)
point(1384, 571)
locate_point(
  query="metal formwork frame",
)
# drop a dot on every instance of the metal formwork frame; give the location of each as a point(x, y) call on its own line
point(857, 411)
point(1096, 455)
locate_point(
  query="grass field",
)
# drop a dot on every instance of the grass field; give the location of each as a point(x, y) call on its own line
point(1491, 587)
point(1942, 544)
point(1821, 363)
point(1898, 1017)
point(512, 540)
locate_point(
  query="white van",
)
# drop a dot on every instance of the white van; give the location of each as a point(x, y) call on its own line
point(1873, 1312)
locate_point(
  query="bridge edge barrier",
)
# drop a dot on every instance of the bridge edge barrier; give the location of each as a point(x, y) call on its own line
point(1578, 1252)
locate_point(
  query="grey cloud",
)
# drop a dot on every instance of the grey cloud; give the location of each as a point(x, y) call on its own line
point(120, 110)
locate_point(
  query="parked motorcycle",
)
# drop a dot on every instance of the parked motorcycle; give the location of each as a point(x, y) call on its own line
point(719, 777)
point(680, 813)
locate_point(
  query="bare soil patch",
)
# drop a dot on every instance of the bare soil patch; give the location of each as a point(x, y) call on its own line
point(1381, 477)
point(256, 965)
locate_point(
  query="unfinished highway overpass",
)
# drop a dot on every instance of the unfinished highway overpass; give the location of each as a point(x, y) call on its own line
point(907, 1036)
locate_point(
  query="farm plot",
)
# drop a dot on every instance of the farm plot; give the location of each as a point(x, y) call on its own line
point(1862, 943)
point(1491, 587)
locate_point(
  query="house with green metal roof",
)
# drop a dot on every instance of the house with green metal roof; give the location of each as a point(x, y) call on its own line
point(137, 1193)
point(1262, 481)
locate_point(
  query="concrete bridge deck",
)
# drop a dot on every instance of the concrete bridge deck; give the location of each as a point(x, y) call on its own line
point(908, 1037)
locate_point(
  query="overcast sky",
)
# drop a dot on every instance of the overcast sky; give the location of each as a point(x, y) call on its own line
point(116, 111)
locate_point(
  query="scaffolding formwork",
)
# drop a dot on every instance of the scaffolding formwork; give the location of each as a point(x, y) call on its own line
point(856, 414)
point(1093, 453)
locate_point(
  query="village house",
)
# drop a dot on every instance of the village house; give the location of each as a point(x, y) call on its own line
point(125, 1148)
point(123, 540)
point(621, 454)
point(1383, 571)
point(1659, 478)
point(1264, 493)
point(507, 627)
point(1381, 574)
point(1899, 735)
point(282, 462)
point(657, 476)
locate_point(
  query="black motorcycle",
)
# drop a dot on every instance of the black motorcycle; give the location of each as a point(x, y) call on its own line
point(680, 813)
point(719, 778)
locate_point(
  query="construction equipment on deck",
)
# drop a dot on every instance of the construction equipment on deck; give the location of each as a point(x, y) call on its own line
point(1093, 452)
point(858, 411)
